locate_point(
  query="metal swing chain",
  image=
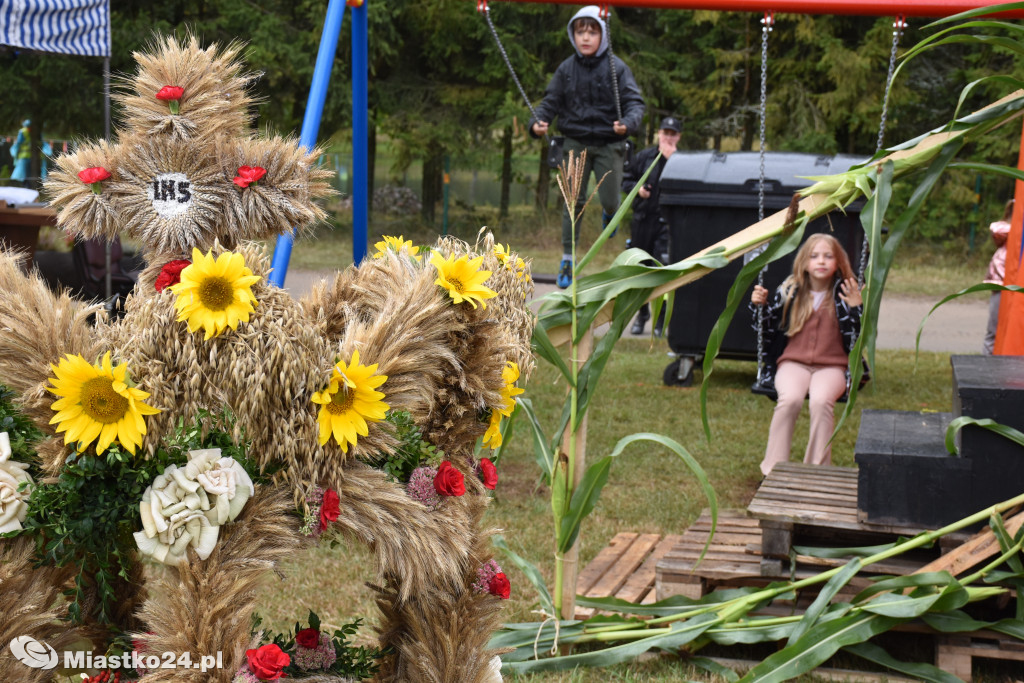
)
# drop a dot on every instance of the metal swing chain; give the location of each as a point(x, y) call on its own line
point(481, 6)
point(606, 15)
point(766, 28)
point(898, 27)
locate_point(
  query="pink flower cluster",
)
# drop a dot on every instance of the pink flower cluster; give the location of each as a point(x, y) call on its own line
point(318, 658)
point(245, 676)
point(311, 522)
point(421, 487)
point(484, 575)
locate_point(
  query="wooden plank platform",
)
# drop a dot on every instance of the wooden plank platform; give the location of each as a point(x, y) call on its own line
point(955, 654)
point(727, 558)
point(625, 569)
point(797, 500)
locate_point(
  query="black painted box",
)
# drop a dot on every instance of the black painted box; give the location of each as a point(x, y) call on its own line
point(905, 476)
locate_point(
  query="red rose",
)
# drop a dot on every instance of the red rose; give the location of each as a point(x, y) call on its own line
point(170, 274)
point(308, 638)
point(93, 174)
point(170, 92)
point(249, 174)
point(267, 662)
point(500, 586)
point(330, 508)
point(449, 481)
point(489, 473)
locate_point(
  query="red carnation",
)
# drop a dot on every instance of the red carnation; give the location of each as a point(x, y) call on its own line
point(308, 638)
point(170, 274)
point(449, 481)
point(489, 473)
point(171, 94)
point(93, 176)
point(267, 662)
point(500, 586)
point(249, 174)
point(330, 508)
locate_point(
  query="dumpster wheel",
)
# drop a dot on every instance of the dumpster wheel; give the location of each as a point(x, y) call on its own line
point(679, 373)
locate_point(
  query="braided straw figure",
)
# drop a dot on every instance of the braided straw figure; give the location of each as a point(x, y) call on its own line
point(188, 179)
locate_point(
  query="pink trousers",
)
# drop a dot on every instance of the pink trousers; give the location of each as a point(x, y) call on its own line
point(824, 385)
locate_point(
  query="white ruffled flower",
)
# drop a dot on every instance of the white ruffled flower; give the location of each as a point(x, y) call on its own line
point(186, 506)
point(13, 503)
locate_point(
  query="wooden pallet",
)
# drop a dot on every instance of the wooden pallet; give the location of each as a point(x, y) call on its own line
point(819, 501)
point(729, 558)
point(625, 569)
point(954, 654)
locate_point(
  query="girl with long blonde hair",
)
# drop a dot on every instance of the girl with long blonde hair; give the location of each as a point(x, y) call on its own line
point(809, 328)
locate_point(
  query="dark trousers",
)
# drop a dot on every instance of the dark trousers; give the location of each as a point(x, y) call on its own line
point(651, 235)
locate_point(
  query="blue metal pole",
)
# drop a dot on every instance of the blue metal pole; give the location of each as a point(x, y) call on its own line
point(360, 131)
point(311, 121)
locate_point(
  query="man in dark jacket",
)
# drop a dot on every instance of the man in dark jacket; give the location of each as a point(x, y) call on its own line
point(582, 96)
point(648, 231)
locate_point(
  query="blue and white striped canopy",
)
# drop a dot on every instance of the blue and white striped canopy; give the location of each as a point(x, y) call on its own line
point(72, 27)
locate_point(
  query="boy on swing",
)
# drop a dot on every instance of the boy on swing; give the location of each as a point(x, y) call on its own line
point(582, 96)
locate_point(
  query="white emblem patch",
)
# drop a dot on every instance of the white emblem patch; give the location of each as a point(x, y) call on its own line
point(171, 194)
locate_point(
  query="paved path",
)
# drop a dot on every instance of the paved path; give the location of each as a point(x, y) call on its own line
point(954, 328)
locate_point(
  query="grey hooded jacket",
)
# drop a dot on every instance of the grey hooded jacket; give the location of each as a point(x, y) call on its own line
point(581, 97)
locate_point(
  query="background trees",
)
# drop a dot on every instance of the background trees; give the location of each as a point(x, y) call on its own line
point(440, 90)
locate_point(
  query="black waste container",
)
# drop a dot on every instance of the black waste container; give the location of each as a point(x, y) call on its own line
point(707, 196)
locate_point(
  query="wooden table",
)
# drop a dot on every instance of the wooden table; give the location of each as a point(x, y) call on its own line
point(19, 228)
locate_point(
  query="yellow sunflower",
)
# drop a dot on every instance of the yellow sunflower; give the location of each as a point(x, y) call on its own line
point(510, 375)
point(504, 256)
point(396, 244)
point(492, 437)
point(462, 278)
point(349, 402)
point(96, 401)
point(503, 253)
point(215, 294)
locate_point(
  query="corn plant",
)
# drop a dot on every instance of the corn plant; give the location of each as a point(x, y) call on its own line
point(727, 616)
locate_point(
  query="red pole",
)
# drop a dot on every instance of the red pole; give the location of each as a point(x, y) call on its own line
point(879, 8)
point(1010, 332)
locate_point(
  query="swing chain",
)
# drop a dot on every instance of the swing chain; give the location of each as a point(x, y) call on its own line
point(899, 25)
point(766, 28)
point(607, 16)
point(481, 6)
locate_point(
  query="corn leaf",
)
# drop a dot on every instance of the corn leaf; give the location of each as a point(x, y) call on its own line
point(530, 570)
point(679, 635)
point(980, 287)
point(829, 591)
point(985, 423)
point(921, 671)
point(817, 645)
point(586, 495)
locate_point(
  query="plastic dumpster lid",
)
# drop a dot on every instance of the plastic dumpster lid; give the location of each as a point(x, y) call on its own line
point(740, 171)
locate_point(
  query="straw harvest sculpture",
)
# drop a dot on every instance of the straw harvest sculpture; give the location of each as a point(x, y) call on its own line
point(245, 425)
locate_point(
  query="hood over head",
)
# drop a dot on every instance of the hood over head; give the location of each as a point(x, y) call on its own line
point(593, 12)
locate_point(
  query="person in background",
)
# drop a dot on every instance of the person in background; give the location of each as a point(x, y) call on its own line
point(809, 328)
point(996, 270)
point(582, 97)
point(21, 150)
point(648, 231)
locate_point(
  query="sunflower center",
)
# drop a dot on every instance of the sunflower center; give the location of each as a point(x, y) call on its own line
point(101, 402)
point(341, 401)
point(457, 285)
point(216, 293)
